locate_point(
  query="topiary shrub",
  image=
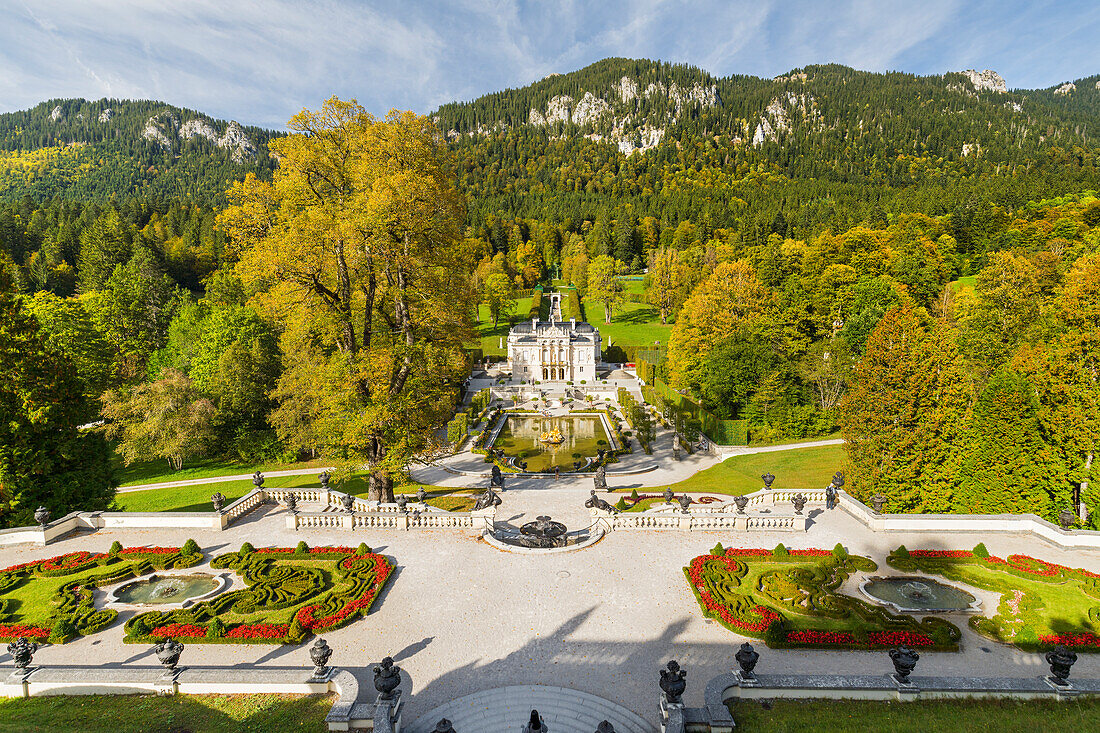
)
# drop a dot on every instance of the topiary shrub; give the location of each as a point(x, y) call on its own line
point(621, 504)
point(190, 547)
point(775, 635)
point(980, 551)
point(901, 551)
point(302, 548)
point(1026, 637)
point(718, 550)
point(362, 549)
point(839, 552)
point(634, 495)
point(247, 548)
point(781, 550)
point(116, 549)
point(63, 630)
point(215, 630)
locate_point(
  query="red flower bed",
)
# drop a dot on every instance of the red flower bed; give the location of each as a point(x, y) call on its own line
point(810, 636)
point(941, 553)
point(72, 560)
point(149, 550)
point(746, 552)
point(266, 550)
point(811, 553)
point(1078, 640)
point(333, 550)
point(16, 630)
point(898, 638)
point(382, 570)
point(258, 631)
point(185, 631)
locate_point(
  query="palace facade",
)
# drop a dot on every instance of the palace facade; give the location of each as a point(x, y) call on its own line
point(553, 351)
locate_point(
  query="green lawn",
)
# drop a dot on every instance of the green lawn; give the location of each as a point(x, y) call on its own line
point(963, 282)
point(197, 498)
point(799, 468)
point(490, 337)
point(637, 324)
point(926, 716)
point(177, 714)
point(158, 471)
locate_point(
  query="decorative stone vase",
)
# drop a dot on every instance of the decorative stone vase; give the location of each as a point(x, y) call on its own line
point(292, 503)
point(348, 502)
point(904, 659)
point(218, 500)
point(387, 678)
point(324, 479)
point(319, 653)
point(1066, 518)
point(402, 502)
point(799, 502)
point(878, 501)
point(746, 658)
point(768, 479)
point(421, 495)
point(741, 503)
point(168, 653)
point(685, 502)
point(42, 516)
point(258, 480)
point(673, 683)
point(22, 651)
point(668, 495)
point(838, 479)
point(1060, 660)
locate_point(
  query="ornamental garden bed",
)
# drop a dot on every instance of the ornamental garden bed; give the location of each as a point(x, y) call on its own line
point(788, 598)
point(291, 592)
point(52, 600)
point(1042, 603)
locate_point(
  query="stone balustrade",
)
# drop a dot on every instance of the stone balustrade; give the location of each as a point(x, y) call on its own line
point(703, 520)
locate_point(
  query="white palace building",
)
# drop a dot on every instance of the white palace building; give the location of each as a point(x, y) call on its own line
point(553, 351)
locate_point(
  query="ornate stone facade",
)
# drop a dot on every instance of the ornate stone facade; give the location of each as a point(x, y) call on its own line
point(553, 351)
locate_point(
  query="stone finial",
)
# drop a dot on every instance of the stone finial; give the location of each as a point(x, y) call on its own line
point(673, 683)
point(838, 479)
point(1066, 518)
point(747, 657)
point(799, 502)
point(668, 495)
point(421, 495)
point(768, 479)
point(535, 724)
point(258, 480)
point(741, 502)
point(685, 502)
point(348, 502)
point(387, 678)
point(402, 502)
point(42, 516)
point(168, 653)
point(218, 500)
point(324, 478)
point(904, 659)
point(1060, 660)
point(878, 501)
point(319, 653)
point(22, 651)
point(291, 503)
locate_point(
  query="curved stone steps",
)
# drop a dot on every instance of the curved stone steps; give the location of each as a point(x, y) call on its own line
point(507, 709)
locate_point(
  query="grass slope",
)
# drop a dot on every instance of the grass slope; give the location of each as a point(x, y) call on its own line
point(158, 471)
point(176, 714)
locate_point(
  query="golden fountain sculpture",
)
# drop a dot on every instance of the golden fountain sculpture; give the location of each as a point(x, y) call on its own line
point(553, 437)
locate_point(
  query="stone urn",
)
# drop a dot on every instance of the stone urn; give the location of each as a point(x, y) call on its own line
point(741, 502)
point(1066, 518)
point(387, 678)
point(42, 516)
point(746, 658)
point(668, 495)
point(168, 653)
point(904, 659)
point(258, 480)
point(1060, 660)
point(878, 501)
point(319, 653)
point(799, 502)
point(218, 500)
point(838, 479)
point(402, 502)
point(673, 683)
point(421, 495)
point(685, 502)
point(324, 478)
point(768, 479)
point(292, 503)
point(348, 501)
point(22, 651)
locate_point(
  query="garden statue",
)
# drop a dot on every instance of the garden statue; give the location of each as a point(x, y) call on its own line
point(22, 651)
point(595, 502)
point(676, 446)
point(348, 501)
point(421, 495)
point(605, 727)
point(324, 478)
point(799, 502)
point(258, 480)
point(535, 724)
point(830, 496)
point(218, 499)
point(443, 726)
point(522, 465)
point(672, 682)
point(291, 503)
point(498, 477)
point(685, 502)
point(747, 657)
point(387, 678)
point(768, 479)
point(878, 501)
point(741, 502)
point(402, 502)
point(168, 653)
point(486, 500)
point(599, 480)
point(42, 516)
point(1066, 518)
point(1060, 660)
point(904, 659)
point(669, 496)
point(319, 653)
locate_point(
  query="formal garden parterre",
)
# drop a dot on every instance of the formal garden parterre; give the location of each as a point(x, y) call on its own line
point(1042, 603)
point(789, 599)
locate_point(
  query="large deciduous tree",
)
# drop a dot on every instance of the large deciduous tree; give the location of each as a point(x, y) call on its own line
point(604, 286)
point(356, 249)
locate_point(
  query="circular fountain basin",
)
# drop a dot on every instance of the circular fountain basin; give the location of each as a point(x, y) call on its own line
point(918, 594)
point(168, 591)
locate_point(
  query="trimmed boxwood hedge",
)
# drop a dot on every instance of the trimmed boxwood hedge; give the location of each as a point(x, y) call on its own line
point(75, 612)
point(324, 598)
point(800, 585)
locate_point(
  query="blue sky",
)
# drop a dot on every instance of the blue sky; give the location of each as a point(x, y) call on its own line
point(260, 62)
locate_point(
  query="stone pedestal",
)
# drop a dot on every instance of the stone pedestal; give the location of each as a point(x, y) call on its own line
point(1065, 692)
point(387, 714)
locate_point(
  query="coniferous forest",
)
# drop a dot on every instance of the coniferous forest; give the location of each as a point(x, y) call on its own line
point(911, 261)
